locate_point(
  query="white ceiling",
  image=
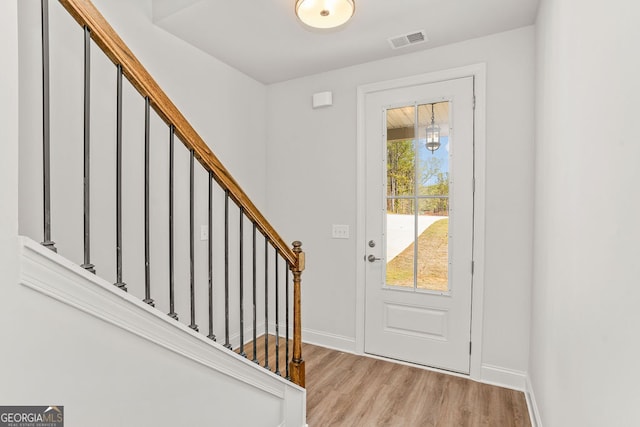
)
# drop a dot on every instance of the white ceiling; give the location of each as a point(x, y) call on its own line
point(264, 39)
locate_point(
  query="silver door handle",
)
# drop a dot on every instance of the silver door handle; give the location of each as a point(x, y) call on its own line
point(372, 258)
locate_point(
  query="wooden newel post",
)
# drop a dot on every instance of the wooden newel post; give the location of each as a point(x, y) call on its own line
point(297, 363)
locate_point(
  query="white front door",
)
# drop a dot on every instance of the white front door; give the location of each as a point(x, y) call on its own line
point(419, 223)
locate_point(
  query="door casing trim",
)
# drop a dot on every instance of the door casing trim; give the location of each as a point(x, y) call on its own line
point(478, 71)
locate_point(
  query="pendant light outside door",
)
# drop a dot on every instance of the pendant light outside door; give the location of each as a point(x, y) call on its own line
point(433, 133)
point(324, 13)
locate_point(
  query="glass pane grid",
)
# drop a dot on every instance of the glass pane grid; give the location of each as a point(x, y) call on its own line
point(417, 202)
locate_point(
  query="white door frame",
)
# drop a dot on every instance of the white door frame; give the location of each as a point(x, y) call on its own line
point(478, 71)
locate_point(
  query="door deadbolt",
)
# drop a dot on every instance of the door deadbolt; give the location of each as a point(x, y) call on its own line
point(372, 244)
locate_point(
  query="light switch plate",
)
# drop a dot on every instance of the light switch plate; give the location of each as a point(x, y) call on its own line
point(340, 231)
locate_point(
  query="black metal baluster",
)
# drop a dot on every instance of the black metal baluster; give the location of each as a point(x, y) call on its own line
point(147, 267)
point(46, 130)
point(255, 317)
point(226, 270)
point(87, 157)
point(119, 283)
point(286, 320)
point(266, 303)
point(192, 249)
point(277, 317)
point(241, 262)
point(211, 335)
point(172, 313)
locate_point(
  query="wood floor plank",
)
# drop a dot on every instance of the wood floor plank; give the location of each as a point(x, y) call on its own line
point(348, 390)
point(358, 391)
point(260, 353)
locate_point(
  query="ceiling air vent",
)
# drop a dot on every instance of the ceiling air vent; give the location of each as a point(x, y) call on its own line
point(408, 39)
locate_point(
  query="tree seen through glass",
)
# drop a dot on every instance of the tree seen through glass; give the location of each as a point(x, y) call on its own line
point(417, 199)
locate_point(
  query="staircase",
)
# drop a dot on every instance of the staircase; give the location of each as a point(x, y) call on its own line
point(146, 234)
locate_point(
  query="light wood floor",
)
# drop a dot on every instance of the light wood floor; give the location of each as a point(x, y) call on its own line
point(281, 366)
point(348, 390)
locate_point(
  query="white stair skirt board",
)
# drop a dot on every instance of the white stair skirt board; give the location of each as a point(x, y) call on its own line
point(53, 275)
point(503, 377)
point(532, 405)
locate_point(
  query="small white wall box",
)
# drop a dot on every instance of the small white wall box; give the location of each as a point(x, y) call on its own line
point(322, 99)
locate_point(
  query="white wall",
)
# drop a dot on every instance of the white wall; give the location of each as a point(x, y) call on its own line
point(312, 184)
point(8, 162)
point(90, 361)
point(584, 340)
point(226, 107)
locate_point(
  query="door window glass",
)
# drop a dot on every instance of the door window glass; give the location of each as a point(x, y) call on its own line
point(417, 197)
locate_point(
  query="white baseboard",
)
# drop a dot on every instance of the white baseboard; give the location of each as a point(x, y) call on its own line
point(503, 377)
point(534, 412)
point(329, 340)
point(490, 374)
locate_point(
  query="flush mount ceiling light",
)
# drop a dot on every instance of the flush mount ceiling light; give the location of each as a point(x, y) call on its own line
point(324, 13)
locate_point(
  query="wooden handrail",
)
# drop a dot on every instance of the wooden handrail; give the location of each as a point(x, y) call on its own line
point(85, 13)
